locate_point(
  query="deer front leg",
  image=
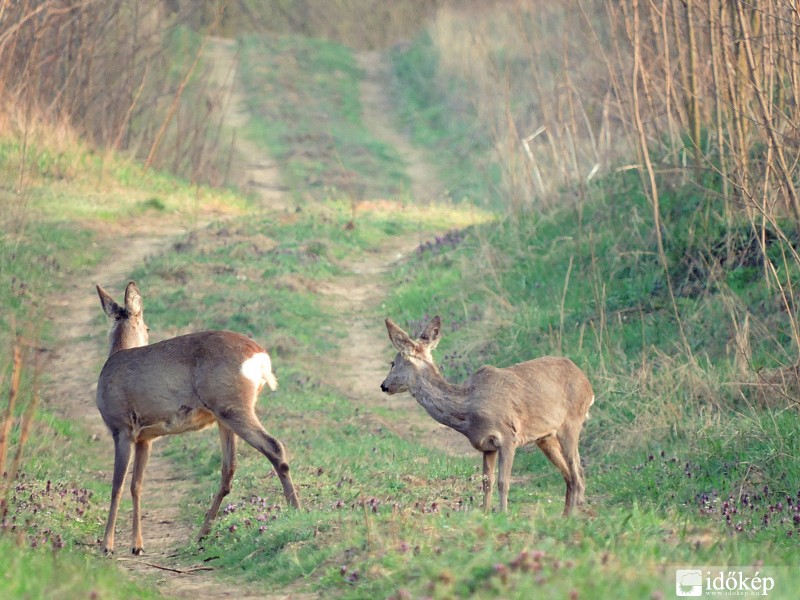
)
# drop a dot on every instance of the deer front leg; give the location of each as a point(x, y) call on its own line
point(122, 458)
point(506, 459)
point(141, 456)
point(489, 461)
point(228, 442)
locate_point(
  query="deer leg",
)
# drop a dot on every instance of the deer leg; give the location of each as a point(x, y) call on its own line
point(505, 460)
point(122, 458)
point(552, 450)
point(568, 438)
point(228, 442)
point(489, 461)
point(248, 427)
point(141, 456)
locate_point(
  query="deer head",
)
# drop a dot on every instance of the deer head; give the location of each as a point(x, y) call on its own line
point(128, 329)
point(413, 357)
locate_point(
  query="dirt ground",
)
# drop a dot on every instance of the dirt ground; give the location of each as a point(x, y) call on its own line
point(361, 364)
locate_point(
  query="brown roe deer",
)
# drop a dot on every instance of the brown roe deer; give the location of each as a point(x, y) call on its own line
point(181, 384)
point(543, 401)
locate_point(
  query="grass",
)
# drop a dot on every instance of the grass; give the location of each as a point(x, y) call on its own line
point(60, 224)
point(55, 511)
point(686, 463)
point(673, 479)
point(294, 253)
point(305, 106)
point(432, 106)
point(46, 573)
point(70, 201)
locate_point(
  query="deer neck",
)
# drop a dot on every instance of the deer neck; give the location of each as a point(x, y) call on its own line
point(444, 401)
point(124, 335)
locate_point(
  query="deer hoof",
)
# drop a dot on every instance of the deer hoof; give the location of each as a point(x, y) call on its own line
point(137, 551)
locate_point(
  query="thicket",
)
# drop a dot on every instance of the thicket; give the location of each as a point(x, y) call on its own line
point(359, 24)
point(697, 98)
point(124, 75)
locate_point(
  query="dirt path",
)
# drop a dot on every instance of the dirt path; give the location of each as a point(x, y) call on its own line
point(81, 352)
point(77, 359)
point(252, 169)
point(361, 363)
point(425, 186)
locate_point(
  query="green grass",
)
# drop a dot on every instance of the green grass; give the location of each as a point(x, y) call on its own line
point(55, 574)
point(56, 228)
point(261, 277)
point(382, 518)
point(436, 109)
point(304, 99)
point(686, 465)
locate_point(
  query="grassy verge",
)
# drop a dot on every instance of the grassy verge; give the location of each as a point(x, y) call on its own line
point(60, 222)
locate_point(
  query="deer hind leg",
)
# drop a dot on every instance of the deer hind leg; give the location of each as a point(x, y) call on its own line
point(553, 451)
point(122, 459)
point(249, 428)
point(228, 442)
point(568, 438)
point(489, 461)
point(141, 456)
point(505, 460)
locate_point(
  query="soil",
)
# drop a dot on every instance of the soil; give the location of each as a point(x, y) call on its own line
point(361, 364)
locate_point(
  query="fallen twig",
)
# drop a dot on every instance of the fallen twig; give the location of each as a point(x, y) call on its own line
point(163, 568)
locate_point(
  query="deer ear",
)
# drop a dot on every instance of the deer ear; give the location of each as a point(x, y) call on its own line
point(432, 333)
point(133, 299)
point(110, 307)
point(400, 339)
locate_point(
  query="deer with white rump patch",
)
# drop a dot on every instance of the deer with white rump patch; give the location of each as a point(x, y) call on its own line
point(543, 401)
point(182, 384)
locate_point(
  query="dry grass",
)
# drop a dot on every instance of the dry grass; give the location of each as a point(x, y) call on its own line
point(714, 86)
point(703, 95)
point(114, 74)
point(545, 98)
point(20, 394)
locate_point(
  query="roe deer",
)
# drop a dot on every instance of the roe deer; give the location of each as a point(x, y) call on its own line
point(545, 401)
point(181, 384)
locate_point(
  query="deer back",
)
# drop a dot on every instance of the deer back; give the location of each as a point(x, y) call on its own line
point(181, 383)
point(534, 397)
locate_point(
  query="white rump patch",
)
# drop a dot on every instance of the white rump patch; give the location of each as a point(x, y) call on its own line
point(258, 369)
